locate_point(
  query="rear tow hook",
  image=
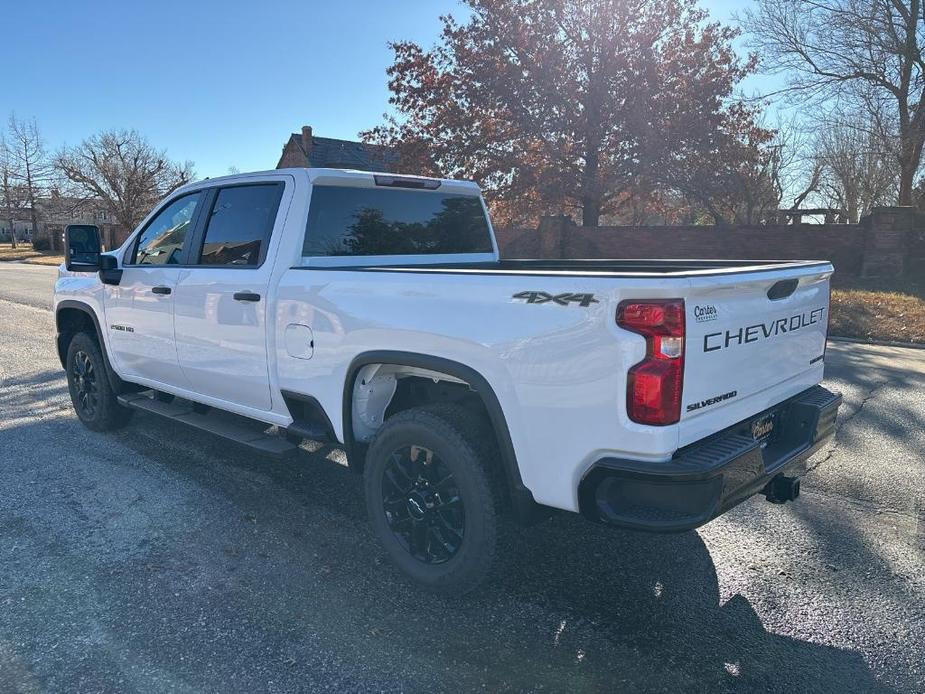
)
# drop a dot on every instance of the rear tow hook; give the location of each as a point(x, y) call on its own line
point(782, 489)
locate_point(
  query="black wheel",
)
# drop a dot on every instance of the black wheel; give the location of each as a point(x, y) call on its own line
point(91, 393)
point(430, 498)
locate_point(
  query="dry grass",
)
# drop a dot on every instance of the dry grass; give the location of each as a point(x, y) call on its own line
point(55, 260)
point(21, 252)
point(879, 310)
point(25, 253)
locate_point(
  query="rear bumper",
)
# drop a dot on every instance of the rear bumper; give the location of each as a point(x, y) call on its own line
point(709, 477)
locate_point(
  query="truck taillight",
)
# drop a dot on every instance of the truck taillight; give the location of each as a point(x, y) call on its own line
point(653, 391)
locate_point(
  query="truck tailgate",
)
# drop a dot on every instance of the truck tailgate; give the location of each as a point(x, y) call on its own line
point(753, 340)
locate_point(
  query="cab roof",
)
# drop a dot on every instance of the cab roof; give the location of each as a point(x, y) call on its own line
point(353, 178)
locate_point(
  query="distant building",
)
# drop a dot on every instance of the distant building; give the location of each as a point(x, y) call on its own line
point(306, 149)
point(57, 211)
point(21, 225)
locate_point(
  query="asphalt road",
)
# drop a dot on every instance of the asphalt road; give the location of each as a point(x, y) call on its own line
point(160, 559)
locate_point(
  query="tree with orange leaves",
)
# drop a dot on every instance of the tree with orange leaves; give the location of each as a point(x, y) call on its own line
point(569, 106)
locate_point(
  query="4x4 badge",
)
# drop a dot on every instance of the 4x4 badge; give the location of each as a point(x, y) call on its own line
point(583, 300)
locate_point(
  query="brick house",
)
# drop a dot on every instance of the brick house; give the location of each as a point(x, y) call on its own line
point(57, 211)
point(306, 149)
point(53, 214)
point(20, 224)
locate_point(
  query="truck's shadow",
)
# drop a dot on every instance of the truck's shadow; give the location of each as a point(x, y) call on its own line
point(179, 543)
point(577, 605)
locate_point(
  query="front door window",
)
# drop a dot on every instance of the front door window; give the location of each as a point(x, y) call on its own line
point(161, 242)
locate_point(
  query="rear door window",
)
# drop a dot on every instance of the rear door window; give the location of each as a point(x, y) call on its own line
point(344, 221)
point(239, 225)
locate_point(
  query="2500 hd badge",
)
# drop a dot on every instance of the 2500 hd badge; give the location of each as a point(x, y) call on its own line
point(752, 333)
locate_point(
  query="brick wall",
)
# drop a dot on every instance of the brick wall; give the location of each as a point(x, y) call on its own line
point(915, 260)
point(890, 241)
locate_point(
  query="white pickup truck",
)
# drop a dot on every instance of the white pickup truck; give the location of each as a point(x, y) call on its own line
point(373, 311)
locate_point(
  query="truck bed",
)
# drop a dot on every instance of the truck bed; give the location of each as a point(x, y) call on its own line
point(589, 267)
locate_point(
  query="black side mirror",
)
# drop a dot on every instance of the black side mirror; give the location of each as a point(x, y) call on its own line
point(82, 247)
point(110, 272)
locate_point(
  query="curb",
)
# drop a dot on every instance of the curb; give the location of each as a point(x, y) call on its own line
point(877, 343)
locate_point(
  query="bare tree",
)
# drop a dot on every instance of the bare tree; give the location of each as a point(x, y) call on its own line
point(867, 51)
point(857, 171)
point(773, 174)
point(121, 168)
point(29, 163)
point(797, 172)
point(11, 191)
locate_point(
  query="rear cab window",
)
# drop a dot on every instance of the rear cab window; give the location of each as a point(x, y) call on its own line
point(348, 221)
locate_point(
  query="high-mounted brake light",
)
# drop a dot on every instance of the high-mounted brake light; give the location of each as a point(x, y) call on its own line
point(653, 391)
point(406, 182)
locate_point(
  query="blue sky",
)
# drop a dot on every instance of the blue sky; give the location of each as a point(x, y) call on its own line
point(221, 83)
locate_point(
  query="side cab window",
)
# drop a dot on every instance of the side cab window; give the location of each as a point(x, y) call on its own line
point(161, 241)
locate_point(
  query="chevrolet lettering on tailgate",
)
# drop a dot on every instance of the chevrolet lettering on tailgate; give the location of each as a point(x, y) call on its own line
point(752, 333)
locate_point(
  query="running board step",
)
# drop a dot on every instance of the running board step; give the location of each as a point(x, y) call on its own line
point(239, 430)
point(312, 431)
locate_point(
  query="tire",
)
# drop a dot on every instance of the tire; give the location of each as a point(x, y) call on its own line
point(91, 392)
point(451, 444)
